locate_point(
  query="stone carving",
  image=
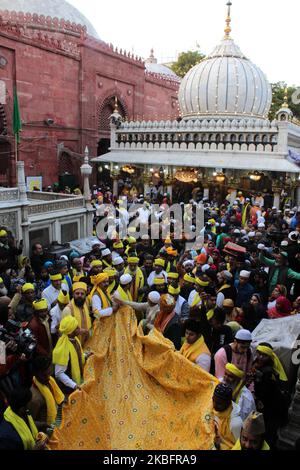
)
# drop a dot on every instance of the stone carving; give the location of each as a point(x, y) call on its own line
point(54, 206)
point(9, 220)
point(9, 194)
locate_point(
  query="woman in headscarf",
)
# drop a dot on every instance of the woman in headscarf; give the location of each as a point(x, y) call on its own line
point(283, 308)
point(279, 291)
point(167, 322)
point(253, 312)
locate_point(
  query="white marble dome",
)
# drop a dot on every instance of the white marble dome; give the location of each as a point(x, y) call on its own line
point(54, 8)
point(225, 84)
point(152, 66)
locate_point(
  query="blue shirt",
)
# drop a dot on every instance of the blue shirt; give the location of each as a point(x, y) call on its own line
point(244, 293)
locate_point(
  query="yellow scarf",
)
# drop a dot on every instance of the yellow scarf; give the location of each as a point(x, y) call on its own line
point(65, 351)
point(223, 420)
point(171, 264)
point(277, 366)
point(125, 295)
point(81, 315)
point(111, 288)
point(27, 434)
point(52, 399)
point(238, 446)
point(244, 216)
point(196, 301)
point(138, 284)
point(224, 287)
point(192, 351)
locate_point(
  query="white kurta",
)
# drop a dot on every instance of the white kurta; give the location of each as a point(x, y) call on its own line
point(56, 316)
point(153, 275)
point(50, 294)
point(192, 297)
point(97, 308)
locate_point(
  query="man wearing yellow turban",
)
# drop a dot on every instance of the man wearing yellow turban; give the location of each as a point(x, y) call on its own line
point(101, 301)
point(96, 267)
point(40, 327)
point(271, 390)
point(68, 356)
point(46, 395)
point(78, 307)
point(159, 265)
point(51, 292)
point(21, 305)
point(167, 322)
point(56, 312)
point(241, 394)
point(138, 283)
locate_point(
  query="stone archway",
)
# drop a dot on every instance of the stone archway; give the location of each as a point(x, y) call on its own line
point(106, 109)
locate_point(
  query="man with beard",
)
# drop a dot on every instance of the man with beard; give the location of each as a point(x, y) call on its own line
point(147, 267)
point(159, 265)
point(119, 265)
point(225, 288)
point(40, 327)
point(118, 250)
point(23, 311)
point(101, 301)
point(138, 288)
point(78, 308)
point(252, 434)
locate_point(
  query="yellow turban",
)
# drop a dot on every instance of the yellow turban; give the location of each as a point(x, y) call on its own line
point(158, 281)
point(77, 278)
point(63, 298)
point(68, 325)
point(172, 252)
point(111, 272)
point(168, 241)
point(173, 276)
point(133, 260)
point(1, 280)
point(234, 370)
point(118, 245)
point(190, 279)
point(201, 283)
point(212, 221)
point(210, 314)
point(96, 262)
point(131, 240)
point(276, 362)
point(174, 291)
point(80, 285)
point(3, 233)
point(159, 262)
point(27, 287)
point(96, 280)
point(40, 305)
point(56, 277)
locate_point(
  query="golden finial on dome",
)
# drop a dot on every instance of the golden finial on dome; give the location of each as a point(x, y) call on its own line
point(228, 21)
point(286, 98)
point(116, 105)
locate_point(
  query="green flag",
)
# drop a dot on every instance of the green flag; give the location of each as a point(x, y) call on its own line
point(17, 123)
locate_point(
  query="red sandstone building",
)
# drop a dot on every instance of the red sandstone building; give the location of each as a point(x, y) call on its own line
point(67, 80)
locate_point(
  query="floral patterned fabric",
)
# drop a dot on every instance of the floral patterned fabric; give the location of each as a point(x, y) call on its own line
point(139, 393)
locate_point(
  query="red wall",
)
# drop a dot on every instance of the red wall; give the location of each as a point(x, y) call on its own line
point(70, 89)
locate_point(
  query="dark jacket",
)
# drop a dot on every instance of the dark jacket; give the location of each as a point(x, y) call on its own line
point(9, 438)
point(173, 332)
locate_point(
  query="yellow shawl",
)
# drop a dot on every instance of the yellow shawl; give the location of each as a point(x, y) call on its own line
point(238, 446)
point(224, 287)
point(81, 315)
point(125, 295)
point(111, 287)
point(196, 301)
point(138, 284)
point(192, 351)
point(244, 216)
point(223, 423)
point(65, 351)
point(27, 434)
point(52, 399)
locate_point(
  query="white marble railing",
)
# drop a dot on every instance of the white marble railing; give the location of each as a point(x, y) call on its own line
point(198, 146)
point(55, 206)
point(9, 194)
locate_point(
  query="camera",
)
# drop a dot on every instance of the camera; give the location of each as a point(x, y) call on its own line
point(25, 340)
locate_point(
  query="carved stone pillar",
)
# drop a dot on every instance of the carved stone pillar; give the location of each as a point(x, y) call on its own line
point(21, 181)
point(277, 193)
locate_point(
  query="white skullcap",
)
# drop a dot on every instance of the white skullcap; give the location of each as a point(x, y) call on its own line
point(117, 261)
point(145, 237)
point(217, 224)
point(261, 246)
point(293, 236)
point(243, 335)
point(245, 274)
point(205, 268)
point(274, 208)
point(64, 257)
point(125, 279)
point(237, 231)
point(188, 262)
point(228, 275)
point(284, 243)
point(243, 232)
point(247, 199)
point(261, 225)
point(106, 252)
point(223, 225)
point(251, 234)
point(154, 297)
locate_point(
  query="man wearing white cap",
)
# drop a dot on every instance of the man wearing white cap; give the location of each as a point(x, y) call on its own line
point(123, 291)
point(244, 288)
point(150, 309)
point(119, 265)
point(237, 353)
point(106, 258)
point(225, 289)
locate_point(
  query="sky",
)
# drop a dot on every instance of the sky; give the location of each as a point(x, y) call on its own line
point(267, 31)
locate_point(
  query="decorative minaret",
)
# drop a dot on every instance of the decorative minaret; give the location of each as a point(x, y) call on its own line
point(227, 30)
point(86, 171)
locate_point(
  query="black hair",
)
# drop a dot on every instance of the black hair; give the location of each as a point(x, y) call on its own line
point(193, 325)
point(19, 397)
point(266, 344)
point(219, 315)
point(41, 363)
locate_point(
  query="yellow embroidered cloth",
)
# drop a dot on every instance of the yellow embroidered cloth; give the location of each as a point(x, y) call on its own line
point(138, 394)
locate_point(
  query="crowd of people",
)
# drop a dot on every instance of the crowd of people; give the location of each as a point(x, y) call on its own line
point(206, 301)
